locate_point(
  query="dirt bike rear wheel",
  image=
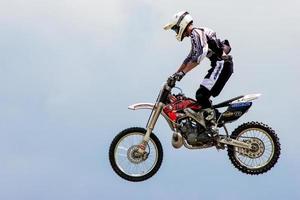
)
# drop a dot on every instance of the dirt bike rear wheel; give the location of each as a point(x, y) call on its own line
point(265, 150)
point(127, 162)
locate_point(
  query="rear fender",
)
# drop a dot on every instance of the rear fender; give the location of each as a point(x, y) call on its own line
point(237, 108)
point(234, 112)
point(150, 106)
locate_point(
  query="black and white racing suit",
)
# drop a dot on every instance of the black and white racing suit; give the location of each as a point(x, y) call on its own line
point(205, 44)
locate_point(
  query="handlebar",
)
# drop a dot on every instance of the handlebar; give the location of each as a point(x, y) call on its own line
point(166, 90)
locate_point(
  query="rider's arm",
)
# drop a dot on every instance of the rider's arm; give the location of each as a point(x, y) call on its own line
point(181, 68)
point(195, 55)
point(188, 67)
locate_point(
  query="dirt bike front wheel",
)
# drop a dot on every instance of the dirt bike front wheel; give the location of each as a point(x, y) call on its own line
point(264, 152)
point(127, 162)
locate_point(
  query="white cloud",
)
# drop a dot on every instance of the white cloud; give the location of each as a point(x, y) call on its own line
point(99, 17)
point(55, 75)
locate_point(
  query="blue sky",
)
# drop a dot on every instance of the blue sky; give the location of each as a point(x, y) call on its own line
point(70, 68)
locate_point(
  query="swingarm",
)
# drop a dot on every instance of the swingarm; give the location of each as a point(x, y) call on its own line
point(229, 141)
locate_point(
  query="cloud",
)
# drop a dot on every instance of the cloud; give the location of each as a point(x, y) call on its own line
point(100, 18)
point(69, 69)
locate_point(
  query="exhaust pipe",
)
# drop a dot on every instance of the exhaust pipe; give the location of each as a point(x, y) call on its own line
point(177, 140)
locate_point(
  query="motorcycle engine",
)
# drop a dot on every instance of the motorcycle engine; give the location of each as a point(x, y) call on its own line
point(191, 130)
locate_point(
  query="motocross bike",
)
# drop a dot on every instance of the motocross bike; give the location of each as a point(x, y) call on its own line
point(136, 154)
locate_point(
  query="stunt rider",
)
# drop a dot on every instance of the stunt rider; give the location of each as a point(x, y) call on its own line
point(204, 44)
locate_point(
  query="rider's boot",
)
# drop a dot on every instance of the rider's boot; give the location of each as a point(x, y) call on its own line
point(210, 116)
point(211, 126)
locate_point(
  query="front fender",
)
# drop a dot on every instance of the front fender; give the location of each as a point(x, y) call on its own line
point(138, 106)
point(150, 106)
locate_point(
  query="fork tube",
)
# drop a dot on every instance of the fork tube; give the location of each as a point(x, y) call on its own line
point(153, 119)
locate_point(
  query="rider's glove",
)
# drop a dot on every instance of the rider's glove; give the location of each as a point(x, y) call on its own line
point(179, 75)
point(171, 81)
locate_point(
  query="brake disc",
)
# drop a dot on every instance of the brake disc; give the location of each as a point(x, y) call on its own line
point(134, 156)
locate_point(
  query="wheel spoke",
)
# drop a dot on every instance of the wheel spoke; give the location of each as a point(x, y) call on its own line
point(128, 162)
point(257, 158)
point(122, 148)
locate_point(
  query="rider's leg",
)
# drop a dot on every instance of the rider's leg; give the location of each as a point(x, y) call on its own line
point(214, 81)
point(202, 96)
point(224, 76)
point(212, 85)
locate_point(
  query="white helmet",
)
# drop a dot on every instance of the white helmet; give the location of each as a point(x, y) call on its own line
point(179, 23)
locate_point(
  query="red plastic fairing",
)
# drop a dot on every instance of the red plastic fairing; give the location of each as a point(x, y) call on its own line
point(178, 104)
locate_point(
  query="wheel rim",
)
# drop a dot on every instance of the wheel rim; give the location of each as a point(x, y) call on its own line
point(262, 152)
point(127, 159)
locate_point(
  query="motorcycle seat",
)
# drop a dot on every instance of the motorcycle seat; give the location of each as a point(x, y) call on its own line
point(226, 103)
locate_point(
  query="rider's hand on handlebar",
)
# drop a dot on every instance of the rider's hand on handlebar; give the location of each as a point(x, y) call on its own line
point(175, 77)
point(171, 81)
point(179, 75)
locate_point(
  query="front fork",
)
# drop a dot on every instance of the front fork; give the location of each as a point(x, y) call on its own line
point(150, 125)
